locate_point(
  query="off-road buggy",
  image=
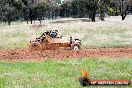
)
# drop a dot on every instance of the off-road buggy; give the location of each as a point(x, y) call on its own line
point(52, 40)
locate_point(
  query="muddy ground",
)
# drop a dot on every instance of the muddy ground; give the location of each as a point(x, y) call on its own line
point(26, 54)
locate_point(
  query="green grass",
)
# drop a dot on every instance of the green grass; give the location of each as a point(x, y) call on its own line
point(63, 73)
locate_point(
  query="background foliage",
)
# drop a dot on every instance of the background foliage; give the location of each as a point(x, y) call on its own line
point(29, 10)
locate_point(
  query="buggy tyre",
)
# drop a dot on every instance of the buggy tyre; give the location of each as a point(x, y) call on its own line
point(75, 46)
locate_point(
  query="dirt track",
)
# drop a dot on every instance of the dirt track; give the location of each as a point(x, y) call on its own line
point(25, 54)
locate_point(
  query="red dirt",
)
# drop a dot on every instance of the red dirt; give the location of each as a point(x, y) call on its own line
point(25, 54)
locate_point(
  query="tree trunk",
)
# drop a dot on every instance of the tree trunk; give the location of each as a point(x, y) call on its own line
point(39, 20)
point(123, 12)
point(31, 20)
point(93, 16)
point(30, 16)
point(9, 18)
point(27, 21)
point(9, 15)
point(9, 22)
point(52, 14)
point(123, 16)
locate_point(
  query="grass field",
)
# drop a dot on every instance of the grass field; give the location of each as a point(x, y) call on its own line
point(109, 33)
point(63, 73)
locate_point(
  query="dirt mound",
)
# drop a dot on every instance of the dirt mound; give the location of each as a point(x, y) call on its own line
point(25, 54)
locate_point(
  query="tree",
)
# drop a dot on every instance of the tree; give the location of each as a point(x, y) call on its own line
point(40, 11)
point(125, 8)
point(53, 5)
point(9, 10)
point(28, 6)
point(65, 9)
point(85, 8)
point(93, 9)
point(121, 7)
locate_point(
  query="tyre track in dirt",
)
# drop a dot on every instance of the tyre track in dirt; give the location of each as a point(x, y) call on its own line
point(25, 54)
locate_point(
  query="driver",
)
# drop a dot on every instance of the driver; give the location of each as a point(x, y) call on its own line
point(53, 34)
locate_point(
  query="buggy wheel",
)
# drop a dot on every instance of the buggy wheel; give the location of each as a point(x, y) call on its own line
point(75, 46)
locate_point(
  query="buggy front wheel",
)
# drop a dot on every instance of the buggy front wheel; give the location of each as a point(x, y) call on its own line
point(75, 46)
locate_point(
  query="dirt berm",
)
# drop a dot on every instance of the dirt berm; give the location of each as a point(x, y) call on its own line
point(25, 54)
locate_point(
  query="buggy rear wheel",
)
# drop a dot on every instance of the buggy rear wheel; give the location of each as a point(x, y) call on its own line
point(35, 47)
